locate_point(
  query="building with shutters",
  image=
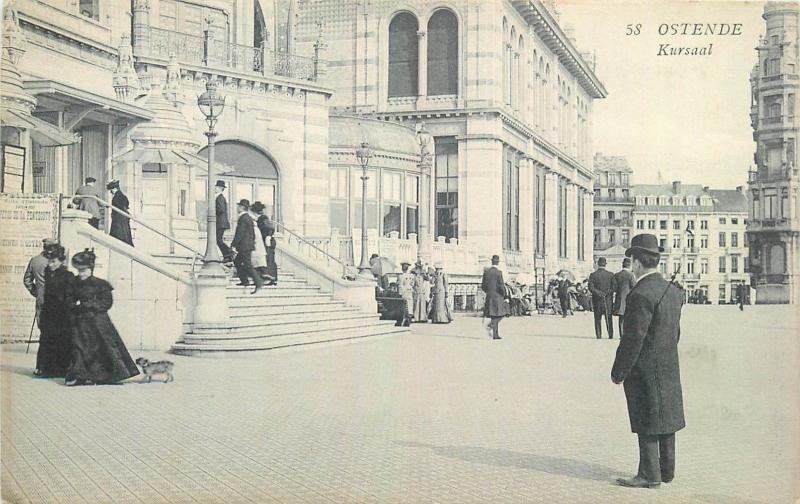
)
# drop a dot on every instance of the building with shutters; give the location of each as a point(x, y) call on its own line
point(613, 208)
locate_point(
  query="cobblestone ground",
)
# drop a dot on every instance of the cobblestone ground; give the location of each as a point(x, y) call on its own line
point(439, 415)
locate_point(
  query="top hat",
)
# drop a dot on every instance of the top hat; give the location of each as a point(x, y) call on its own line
point(244, 203)
point(84, 259)
point(220, 183)
point(114, 184)
point(647, 243)
point(89, 180)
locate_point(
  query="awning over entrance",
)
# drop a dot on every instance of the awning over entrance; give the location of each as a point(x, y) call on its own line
point(55, 96)
point(144, 155)
point(43, 132)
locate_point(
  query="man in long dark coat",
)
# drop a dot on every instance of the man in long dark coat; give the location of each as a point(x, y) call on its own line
point(493, 285)
point(223, 221)
point(622, 284)
point(120, 224)
point(647, 365)
point(33, 279)
point(244, 242)
point(563, 294)
point(600, 287)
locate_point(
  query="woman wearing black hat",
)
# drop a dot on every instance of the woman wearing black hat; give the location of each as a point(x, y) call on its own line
point(120, 224)
point(98, 353)
point(267, 229)
point(52, 358)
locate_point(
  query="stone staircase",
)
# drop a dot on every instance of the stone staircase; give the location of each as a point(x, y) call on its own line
point(292, 313)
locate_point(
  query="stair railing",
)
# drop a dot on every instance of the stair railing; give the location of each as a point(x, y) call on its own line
point(195, 254)
point(347, 272)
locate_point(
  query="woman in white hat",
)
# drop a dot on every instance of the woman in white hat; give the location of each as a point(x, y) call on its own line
point(440, 310)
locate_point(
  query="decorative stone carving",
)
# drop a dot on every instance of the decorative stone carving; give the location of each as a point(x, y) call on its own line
point(125, 81)
point(13, 38)
point(172, 85)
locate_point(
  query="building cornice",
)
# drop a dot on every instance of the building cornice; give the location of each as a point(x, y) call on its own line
point(549, 31)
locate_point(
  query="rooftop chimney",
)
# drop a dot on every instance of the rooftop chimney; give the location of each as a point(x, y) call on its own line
point(676, 187)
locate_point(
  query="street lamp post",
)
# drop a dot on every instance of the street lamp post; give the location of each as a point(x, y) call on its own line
point(363, 154)
point(424, 236)
point(212, 279)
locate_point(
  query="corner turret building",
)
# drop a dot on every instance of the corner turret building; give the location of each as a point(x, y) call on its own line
point(773, 227)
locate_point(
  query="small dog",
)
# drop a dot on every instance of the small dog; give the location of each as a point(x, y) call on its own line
point(155, 368)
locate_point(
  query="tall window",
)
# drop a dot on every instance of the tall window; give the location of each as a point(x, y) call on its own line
point(770, 205)
point(403, 55)
point(562, 218)
point(722, 239)
point(704, 266)
point(722, 264)
point(540, 210)
point(581, 227)
point(412, 204)
point(338, 199)
point(443, 53)
point(734, 239)
point(511, 201)
point(446, 187)
point(391, 201)
point(734, 264)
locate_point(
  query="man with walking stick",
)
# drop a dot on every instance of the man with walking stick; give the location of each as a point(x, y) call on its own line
point(33, 279)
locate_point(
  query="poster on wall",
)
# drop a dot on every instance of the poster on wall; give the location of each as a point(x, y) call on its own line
point(25, 220)
point(13, 169)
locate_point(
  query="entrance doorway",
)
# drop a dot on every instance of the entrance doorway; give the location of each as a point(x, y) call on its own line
point(253, 176)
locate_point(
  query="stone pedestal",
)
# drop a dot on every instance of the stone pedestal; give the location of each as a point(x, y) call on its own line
point(211, 303)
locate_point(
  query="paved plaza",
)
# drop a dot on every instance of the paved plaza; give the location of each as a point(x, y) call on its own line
point(442, 414)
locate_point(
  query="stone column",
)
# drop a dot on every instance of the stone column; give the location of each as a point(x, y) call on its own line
point(572, 222)
point(526, 207)
point(588, 226)
point(481, 205)
point(141, 27)
point(551, 221)
point(422, 65)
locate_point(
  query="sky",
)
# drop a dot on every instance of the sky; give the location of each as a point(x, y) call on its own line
point(687, 117)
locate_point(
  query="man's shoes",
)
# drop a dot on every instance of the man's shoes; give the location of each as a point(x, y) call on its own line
point(496, 337)
point(637, 482)
point(666, 480)
point(256, 289)
point(240, 284)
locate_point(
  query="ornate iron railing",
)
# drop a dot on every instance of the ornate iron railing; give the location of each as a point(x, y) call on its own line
point(291, 65)
point(209, 51)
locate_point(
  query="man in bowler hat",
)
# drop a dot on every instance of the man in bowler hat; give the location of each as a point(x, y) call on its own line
point(223, 222)
point(622, 284)
point(647, 365)
point(600, 287)
point(244, 242)
point(493, 285)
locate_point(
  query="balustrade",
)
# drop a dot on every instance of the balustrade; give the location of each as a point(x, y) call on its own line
point(208, 51)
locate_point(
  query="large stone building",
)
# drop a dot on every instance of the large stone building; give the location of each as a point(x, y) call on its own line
point(702, 232)
point(108, 90)
point(613, 208)
point(774, 228)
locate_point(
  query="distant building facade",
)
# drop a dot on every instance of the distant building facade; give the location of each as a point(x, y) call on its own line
point(773, 227)
point(613, 208)
point(702, 232)
point(508, 100)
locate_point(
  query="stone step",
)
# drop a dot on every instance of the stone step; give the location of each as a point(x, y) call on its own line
point(253, 321)
point(333, 336)
point(276, 299)
point(234, 292)
point(293, 286)
point(246, 312)
point(211, 334)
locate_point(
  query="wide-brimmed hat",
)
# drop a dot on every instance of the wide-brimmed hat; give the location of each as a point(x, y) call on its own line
point(244, 203)
point(220, 183)
point(113, 184)
point(48, 243)
point(84, 259)
point(405, 263)
point(257, 206)
point(645, 242)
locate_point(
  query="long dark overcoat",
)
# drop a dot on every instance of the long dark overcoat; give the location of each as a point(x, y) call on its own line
point(120, 224)
point(55, 341)
point(98, 352)
point(244, 239)
point(647, 357)
point(221, 211)
point(494, 287)
point(622, 284)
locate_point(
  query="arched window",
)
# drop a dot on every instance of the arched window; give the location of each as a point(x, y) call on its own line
point(505, 54)
point(512, 69)
point(403, 55)
point(443, 53)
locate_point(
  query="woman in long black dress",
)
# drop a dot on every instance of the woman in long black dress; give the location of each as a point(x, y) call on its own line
point(120, 224)
point(52, 359)
point(267, 228)
point(98, 353)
